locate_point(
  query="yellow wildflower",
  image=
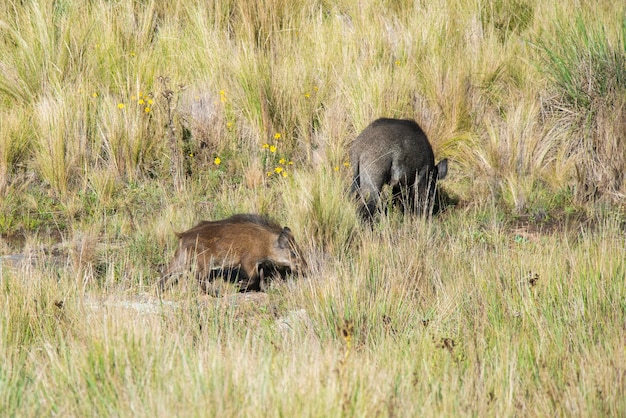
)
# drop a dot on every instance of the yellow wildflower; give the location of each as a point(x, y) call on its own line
point(120, 105)
point(282, 161)
point(265, 146)
point(278, 170)
point(346, 164)
point(150, 101)
point(217, 161)
point(94, 95)
point(284, 173)
point(140, 101)
point(277, 135)
point(147, 110)
point(272, 148)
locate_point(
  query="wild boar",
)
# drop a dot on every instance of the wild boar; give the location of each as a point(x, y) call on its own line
point(395, 152)
point(244, 247)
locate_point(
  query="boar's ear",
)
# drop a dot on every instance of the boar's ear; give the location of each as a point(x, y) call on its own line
point(283, 238)
point(442, 169)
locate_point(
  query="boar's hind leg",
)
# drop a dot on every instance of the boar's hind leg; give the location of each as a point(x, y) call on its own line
point(370, 184)
point(402, 189)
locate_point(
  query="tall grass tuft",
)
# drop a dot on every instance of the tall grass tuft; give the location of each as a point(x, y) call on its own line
point(124, 122)
point(587, 67)
point(321, 208)
point(586, 64)
point(16, 144)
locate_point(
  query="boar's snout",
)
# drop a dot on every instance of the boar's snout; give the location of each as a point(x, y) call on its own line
point(288, 253)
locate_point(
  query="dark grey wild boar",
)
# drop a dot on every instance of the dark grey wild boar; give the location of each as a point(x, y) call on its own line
point(395, 152)
point(245, 246)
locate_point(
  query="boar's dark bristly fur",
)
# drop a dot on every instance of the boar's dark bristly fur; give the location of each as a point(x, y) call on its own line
point(244, 246)
point(395, 152)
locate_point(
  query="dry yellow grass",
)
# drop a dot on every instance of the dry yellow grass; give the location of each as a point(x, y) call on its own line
point(122, 123)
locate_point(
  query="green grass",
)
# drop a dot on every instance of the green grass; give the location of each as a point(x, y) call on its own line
point(123, 123)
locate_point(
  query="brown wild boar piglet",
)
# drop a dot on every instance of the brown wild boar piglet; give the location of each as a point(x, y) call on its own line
point(245, 246)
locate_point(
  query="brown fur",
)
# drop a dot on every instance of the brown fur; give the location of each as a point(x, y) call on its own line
point(244, 245)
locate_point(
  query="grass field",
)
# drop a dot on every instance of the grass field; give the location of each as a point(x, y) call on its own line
point(122, 122)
